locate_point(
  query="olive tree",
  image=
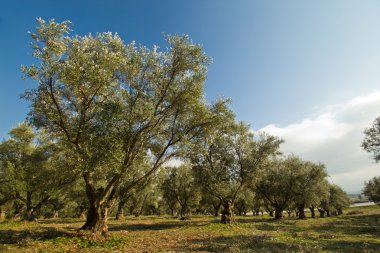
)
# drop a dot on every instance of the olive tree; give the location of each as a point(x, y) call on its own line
point(29, 169)
point(372, 189)
point(275, 184)
point(227, 157)
point(371, 142)
point(310, 187)
point(334, 202)
point(179, 186)
point(112, 104)
point(126, 193)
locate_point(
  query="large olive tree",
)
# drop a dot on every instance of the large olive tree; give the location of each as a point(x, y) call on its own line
point(114, 104)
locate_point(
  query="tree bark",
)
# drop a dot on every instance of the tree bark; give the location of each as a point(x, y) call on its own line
point(227, 214)
point(96, 220)
point(321, 212)
point(184, 208)
point(301, 211)
point(312, 211)
point(29, 214)
point(97, 213)
point(278, 214)
point(17, 210)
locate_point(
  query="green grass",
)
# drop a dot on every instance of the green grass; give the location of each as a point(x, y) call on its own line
point(358, 232)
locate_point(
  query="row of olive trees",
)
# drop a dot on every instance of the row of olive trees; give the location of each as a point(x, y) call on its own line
point(108, 115)
point(37, 179)
point(283, 184)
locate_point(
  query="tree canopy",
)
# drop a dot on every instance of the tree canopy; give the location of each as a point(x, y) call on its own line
point(371, 142)
point(113, 104)
point(372, 189)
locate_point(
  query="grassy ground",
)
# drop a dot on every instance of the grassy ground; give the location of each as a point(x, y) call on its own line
point(348, 233)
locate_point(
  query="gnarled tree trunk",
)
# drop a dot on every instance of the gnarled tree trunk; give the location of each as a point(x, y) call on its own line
point(29, 214)
point(312, 211)
point(97, 214)
point(96, 220)
point(278, 213)
point(31, 210)
point(227, 213)
point(301, 211)
point(18, 207)
point(321, 212)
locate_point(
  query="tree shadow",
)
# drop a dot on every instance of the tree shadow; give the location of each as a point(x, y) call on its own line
point(256, 243)
point(266, 243)
point(351, 246)
point(144, 227)
point(60, 221)
point(10, 236)
point(352, 225)
point(252, 220)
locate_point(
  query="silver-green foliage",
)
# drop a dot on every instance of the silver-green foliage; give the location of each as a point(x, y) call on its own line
point(114, 104)
point(31, 169)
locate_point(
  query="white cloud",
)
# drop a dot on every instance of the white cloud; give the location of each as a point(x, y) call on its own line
point(333, 137)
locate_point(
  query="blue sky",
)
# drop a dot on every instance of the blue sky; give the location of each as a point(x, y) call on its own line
point(283, 63)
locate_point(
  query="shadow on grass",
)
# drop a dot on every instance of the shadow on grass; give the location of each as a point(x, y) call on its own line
point(258, 243)
point(253, 219)
point(351, 246)
point(352, 225)
point(60, 221)
point(144, 227)
point(10, 236)
point(264, 243)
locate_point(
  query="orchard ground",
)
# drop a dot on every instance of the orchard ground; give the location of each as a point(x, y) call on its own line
point(358, 230)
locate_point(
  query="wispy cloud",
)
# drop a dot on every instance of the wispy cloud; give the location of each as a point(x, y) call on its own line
point(333, 136)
